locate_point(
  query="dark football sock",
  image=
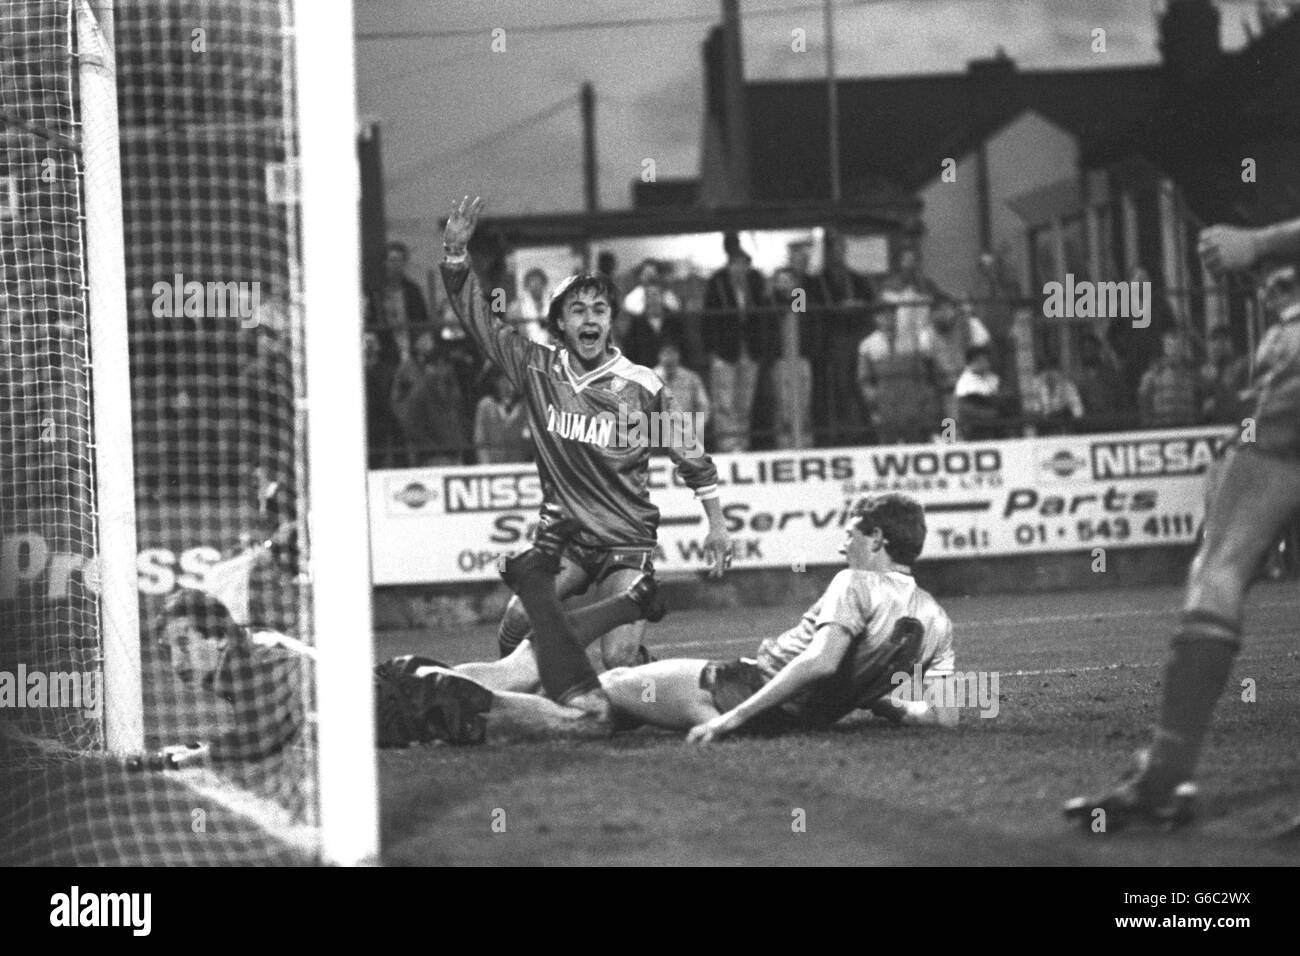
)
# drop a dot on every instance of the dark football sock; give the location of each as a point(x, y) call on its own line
point(1203, 650)
point(562, 663)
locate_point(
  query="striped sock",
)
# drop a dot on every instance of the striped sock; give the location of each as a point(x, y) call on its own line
point(509, 638)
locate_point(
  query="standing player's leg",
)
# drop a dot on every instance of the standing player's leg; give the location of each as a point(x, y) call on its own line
point(566, 674)
point(1258, 492)
point(519, 672)
point(621, 647)
point(516, 669)
point(515, 627)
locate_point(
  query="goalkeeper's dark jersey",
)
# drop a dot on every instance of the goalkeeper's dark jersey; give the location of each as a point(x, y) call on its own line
point(266, 747)
point(589, 458)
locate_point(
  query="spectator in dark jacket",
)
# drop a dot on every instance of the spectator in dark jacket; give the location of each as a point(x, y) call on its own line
point(1101, 388)
point(981, 402)
point(428, 405)
point(649, 329)
point(397, 305)
point(739, 342)
point(844, 322)
point(1139, 348)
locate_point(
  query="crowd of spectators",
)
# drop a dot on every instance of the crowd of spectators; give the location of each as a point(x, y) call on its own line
point(800, 359)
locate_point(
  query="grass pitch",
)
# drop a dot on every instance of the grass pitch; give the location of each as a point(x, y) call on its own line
point(1078, 683)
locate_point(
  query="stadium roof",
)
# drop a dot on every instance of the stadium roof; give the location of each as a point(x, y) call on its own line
point(896, 131)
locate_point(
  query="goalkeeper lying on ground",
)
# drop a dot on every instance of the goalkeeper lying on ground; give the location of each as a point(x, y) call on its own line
point(872, 623)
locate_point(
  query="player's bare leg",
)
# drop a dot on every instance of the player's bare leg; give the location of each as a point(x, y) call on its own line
point(664, 694)
point(519, 672)
point(621, 646)
point(1255, 496)
point(513, 717)
point(516, 670)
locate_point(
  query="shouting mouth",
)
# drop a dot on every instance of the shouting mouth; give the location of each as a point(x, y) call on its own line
point(589, 337)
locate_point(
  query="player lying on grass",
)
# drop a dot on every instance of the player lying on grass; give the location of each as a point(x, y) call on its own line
point(872, 623)
point(577, 396)
point(1256, 492)
point(258, 674)
point(232, 639)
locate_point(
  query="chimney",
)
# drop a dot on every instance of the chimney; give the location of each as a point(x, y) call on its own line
point(724, 164)
point(1189, 40)
point(998, 68)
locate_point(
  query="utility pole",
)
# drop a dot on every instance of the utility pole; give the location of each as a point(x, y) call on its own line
point(832, 102)
point(734, 92)
point(589, 147)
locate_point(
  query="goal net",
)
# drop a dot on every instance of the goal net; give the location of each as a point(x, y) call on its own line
point(211, 425)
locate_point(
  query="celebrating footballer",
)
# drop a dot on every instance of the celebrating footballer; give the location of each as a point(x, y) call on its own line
point(589, 470)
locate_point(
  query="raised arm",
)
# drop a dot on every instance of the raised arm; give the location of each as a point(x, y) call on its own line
point(499, 343)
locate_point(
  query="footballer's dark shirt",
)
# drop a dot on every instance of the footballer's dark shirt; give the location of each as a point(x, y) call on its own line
point(267, 746)
point(591, 467)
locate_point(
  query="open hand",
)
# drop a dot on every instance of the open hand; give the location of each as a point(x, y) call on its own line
point(462, 222)
point(709, 731)
point(718, 551)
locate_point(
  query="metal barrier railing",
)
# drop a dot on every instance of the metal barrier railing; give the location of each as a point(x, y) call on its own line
point(828, 336)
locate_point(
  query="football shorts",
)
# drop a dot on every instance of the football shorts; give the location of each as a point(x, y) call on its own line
point(732, 682)
point(600, 563)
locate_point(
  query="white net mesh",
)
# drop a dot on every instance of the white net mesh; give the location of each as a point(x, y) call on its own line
point(208, 147)
point(48, 616)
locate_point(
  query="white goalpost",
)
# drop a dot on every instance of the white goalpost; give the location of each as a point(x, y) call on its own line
point(111, 394)
point(331, 195)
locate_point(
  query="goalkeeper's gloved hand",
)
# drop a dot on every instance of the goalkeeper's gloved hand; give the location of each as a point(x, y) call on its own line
point(170, 758)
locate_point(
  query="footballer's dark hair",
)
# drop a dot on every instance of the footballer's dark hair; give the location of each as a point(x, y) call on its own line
point(594, 282)
point(901, 521)
point(209, 616)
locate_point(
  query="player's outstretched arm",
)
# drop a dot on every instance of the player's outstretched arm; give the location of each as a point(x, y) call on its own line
point(1231, 248)
point(499, 342)
point(819, 660)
